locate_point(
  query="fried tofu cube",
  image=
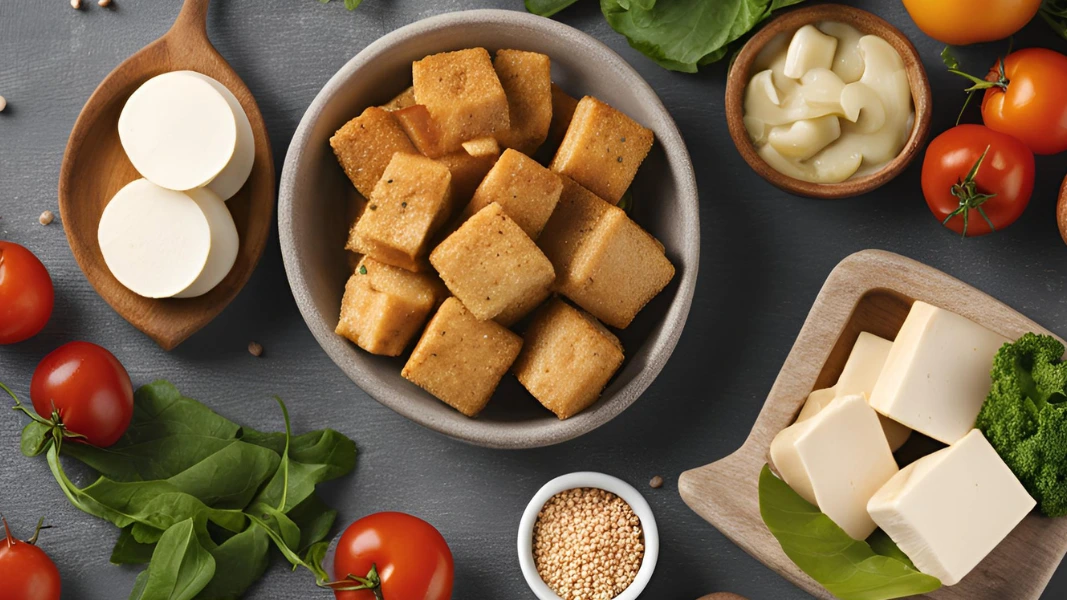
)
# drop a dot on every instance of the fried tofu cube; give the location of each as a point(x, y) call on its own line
point(463, 95)
point(409, 203)
point(384, 306)
point(520, 309)
point(602, 149)
point(404, 99)
point(567, 358)
point(421, 129)
point(485, 146)
point(527, 81)
point(489, 263)
point(366, 144)
point(575, 217)
point(526, 191)
point(461, 359)
point(563, 107)
point(467, 173)
point(616, 271)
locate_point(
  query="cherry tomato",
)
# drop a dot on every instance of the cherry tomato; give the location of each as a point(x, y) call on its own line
point(26, 571)
point(961, 22)
point(26, 294)
point(1030, 102)
point(998, 191)
point(88, 388)
point(411, 558)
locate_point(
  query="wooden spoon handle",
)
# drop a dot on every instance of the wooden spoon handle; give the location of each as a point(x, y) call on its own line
point(191, 24)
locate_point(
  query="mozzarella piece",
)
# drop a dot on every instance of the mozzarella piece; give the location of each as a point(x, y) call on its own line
point(232, 178)
point(155, 241)
point(809, 49)
point(804, 139)
point(948, 510)
point(178, 131)
point(936, 377)
point(837, 460)
point(863, 107)
point(224, 243)
point(822, 87)
point(848, 62)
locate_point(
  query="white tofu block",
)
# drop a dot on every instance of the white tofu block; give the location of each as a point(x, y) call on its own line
point(809, 49)
point(837, 460)
point(948, 510)
point(936, 376)
point(231, 179)
point(225, 243)
point(861, 372)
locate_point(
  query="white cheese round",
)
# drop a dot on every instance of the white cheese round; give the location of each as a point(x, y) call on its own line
point(224, 243)
point(155, 241)
point(233, 177)
point(178, 131)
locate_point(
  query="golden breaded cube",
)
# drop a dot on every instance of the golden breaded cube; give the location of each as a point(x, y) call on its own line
point(489, 263)
point(366, 144)
point(527, 81)
point(463, 95)
point(467, 172)
point(486, 146)
point(602, 149)
point(384, 306)
point(617, 269)
point(461, 359)
point(563, 107)
point(404, 99)
point(526, 191)
point(520, 309)
point(575, 217)
point(409, 203)
point(421, 129)
point(567, 358)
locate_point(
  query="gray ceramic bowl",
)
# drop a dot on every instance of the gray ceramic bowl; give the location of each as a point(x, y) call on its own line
point(314, 192)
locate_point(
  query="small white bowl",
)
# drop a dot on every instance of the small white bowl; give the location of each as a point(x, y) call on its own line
point(587, 479)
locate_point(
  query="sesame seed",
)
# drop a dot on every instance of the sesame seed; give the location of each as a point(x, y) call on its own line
point(46, 217)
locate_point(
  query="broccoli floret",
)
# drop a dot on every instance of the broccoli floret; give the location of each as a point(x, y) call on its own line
point(1025, 417)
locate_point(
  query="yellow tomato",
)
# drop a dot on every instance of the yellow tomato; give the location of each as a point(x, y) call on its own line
point(961, 22)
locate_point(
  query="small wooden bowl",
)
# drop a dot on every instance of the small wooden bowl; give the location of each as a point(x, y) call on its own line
point(867, 23)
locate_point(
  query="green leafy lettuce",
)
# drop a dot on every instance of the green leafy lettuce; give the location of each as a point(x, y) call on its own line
point(198, 498)
point(849, 569)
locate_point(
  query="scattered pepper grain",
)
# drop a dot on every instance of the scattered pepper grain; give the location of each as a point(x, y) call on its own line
point(656, 482)
point(46, 217)
point(588, 544)
point(255, 349)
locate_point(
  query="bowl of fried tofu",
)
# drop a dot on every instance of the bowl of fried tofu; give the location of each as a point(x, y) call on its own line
point(490, 223)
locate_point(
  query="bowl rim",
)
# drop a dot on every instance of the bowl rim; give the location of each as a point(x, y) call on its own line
point(588, 479)
point(922, 98)
point(513, 435)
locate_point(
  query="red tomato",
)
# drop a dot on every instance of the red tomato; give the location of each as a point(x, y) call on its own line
point(999, 190)
point(88, 388)
point(26, 294)
point(411, 558)
point(26, 571)
point(1030, 101)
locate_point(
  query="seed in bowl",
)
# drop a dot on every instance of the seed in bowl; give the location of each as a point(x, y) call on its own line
point(828, 104)
point(588, 544)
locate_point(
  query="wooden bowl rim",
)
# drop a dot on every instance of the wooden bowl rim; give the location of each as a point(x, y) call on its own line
point(867, 23)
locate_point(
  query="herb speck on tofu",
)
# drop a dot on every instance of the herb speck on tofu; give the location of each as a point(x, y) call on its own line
point(362, 269)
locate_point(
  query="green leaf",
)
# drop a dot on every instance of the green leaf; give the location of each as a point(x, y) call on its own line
point(180, 568)
point(848, 569)
point(314, 519)
point(229, 478)
point(314, 458)
point(547, 8)
point(881, 543)
point(683, 35)
point(239, 562)
point(35, 438)
point(128, 551)
point(949, 59)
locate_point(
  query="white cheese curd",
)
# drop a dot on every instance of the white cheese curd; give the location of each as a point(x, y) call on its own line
point(224, 243)
point(155, 241)
point(828, 78)
point(230, 181)
point(178, 131)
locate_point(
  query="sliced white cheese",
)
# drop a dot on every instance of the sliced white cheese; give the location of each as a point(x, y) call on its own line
point(804, 139)
point(863, 107)
point(822, 87)
point(155, 241)
point(841, 458)
point(178, 131)
point(809, 49)
point(817, 400)
point(936, 376)
point(848, 62)
point(224, 243)
point(230, 181)
point(948, 510)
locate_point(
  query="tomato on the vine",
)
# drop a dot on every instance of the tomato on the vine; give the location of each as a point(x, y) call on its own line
point(977, 180)
point(85, 389)
point(25, 570)
point(1028, 99)
point(26, 294)
point(961, 22)
point(397, 556)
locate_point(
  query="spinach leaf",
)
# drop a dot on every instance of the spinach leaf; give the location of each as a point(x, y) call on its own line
point(180, 566)
point(314, 519)
point(128, 551)
point(35, 438)
point(881, 543)
point(682, 35)
point(239, 562)
point(230, 477)
point(849, 569)
point(314, 458)
point(547, 8)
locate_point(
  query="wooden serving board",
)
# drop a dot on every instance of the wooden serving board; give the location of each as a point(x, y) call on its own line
point(869, 291)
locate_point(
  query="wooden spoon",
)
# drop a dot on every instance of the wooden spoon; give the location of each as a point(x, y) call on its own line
point(95, 167)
